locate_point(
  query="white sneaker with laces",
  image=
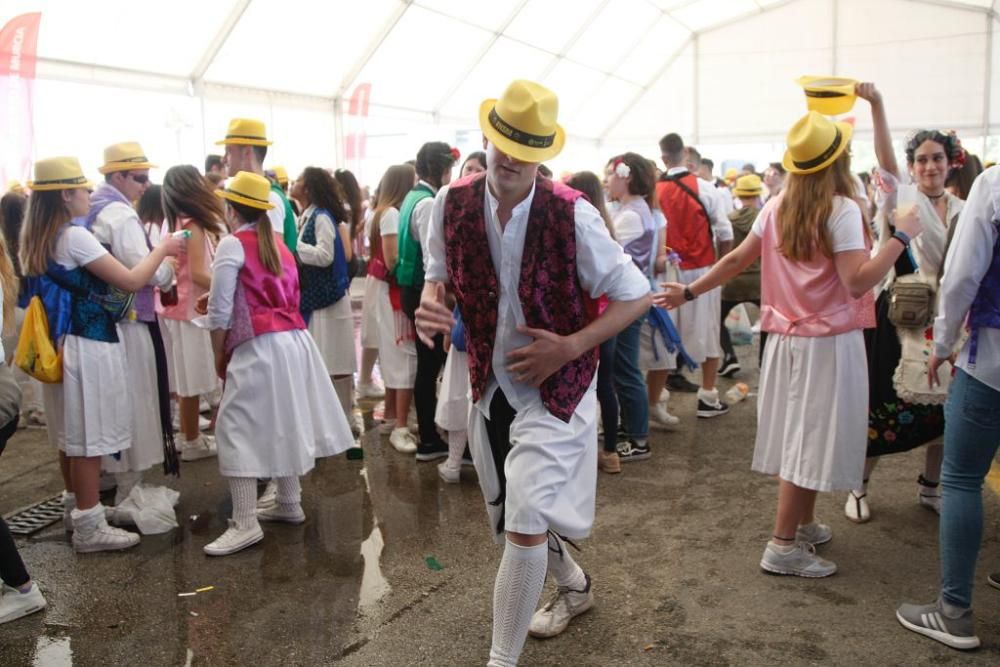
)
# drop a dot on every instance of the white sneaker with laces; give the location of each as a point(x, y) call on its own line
point(14, 604)
point(801, 561)
point(449, 473)
point(403, 441)
point(235, 539)
point(659, 416)
point(270, 496)
point(91, 532)
point(386, 426)
point(371, 390)
point(814, 533)
point(195, 450)
point(562, 607)
point(282, 513)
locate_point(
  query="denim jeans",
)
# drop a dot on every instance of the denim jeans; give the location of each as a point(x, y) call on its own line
point(606, 394)
point(971, 439)
point(630, 383)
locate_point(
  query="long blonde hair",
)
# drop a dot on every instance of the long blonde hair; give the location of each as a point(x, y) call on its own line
point(46, 215)
point(806, 204)
point(8, 280)
point(267, 249)
point(392, 189)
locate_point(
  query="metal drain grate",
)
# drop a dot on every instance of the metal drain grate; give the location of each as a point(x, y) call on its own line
point(38, 516)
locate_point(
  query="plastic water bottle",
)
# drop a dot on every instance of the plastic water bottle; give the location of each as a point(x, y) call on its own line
point(737, 392)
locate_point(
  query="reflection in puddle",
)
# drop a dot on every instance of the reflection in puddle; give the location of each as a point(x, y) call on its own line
point(374, 585)
point(53, 652)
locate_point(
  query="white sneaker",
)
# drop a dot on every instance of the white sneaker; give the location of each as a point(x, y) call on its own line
point(564, 606)
point(659, 416)
point(269, 498)
point(403, 440)
point(14, 604)
point(195, 450)
point(235, 539)
point(450, 474)
point(386, 426)
point(814, 533)
point(282, 513)
point(371, 390)
point(856, 509)
point(35, 418)
point(800, 561)
point(92, 533)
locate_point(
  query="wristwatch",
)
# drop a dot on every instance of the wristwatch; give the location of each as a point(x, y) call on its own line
point(902, 237)
point(688, 294)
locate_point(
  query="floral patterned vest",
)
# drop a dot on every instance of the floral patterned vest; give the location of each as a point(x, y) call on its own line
point(550, 293)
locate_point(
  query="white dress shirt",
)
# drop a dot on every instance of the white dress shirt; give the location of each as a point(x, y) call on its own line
point(322, 253)
point(118, 226)
point(602, 268)
point(229, 259)
point(968, 260)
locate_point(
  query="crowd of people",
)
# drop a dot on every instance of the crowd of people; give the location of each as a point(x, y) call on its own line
point(512, 316)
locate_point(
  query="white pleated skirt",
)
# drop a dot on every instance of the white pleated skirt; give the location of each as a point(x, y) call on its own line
point(452, 412)
point(332, 329)
point(369, 316)
point(191, 357)
point(398, 361)
point(90, 412)
point(812, 412)
point(147, 436)
point(279, 412)
point(698, 322)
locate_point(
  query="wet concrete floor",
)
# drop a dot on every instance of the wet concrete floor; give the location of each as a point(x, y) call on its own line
point(393, 567)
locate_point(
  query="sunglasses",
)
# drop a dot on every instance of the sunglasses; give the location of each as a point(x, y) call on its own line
point(141, 179)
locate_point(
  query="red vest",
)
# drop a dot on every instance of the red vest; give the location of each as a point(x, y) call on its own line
point(264, 303)
point(550, 293)
point(688, 231)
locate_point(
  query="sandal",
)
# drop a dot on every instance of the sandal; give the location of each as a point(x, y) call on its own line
point(857, 509)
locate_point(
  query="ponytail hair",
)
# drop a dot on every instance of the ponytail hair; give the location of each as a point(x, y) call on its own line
point(267, 249)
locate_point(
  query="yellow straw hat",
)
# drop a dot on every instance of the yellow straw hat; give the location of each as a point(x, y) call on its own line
point(125, 156)
point(731, 175)
point(748, 186)
point(59, 173)
point(830, 95)
point(815, 142)
point(248, 189)
point(15, 187)
point(245, 132)
point(522, 123)
point(280, 175)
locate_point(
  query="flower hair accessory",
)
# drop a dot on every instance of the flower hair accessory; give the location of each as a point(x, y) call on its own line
point(960, 153)
point(622, 170)
point(455, 154)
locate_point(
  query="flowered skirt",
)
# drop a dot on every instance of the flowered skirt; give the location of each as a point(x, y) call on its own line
point(894, 425)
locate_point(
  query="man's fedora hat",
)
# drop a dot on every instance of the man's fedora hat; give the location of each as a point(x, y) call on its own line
point(245, 132)
point(59, 173)
point(815, 142)
point(522, 123)
point(125, 156)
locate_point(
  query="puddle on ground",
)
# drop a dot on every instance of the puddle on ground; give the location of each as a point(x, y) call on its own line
point(374, 585)
point(53, 651)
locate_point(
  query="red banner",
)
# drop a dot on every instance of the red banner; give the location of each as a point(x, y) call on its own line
point(356, 142)
point(18, 52)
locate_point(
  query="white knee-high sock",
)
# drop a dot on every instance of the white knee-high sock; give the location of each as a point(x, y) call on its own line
point(244, 492)
point(456, 447)
point(289, 491)
point(519, 584)
point(562, 567)
point(345, 392)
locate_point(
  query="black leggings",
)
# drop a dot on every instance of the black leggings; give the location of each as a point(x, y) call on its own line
point(430, 362)
point(12, 569)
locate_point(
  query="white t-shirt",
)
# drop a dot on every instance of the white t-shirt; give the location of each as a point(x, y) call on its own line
point(277, 214)
point(845, 224)
point(628, 227)
point(75, 246)
point(388, 225)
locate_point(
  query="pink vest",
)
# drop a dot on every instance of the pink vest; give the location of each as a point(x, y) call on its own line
point(550, 293)
point(187, 292)
point(805, 298)
point(264, 303)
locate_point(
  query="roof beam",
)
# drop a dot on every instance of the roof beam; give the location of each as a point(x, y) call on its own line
point(198, 73)
point(961, 6)
point(373, 46)
point(574, 39)
point(479, 58)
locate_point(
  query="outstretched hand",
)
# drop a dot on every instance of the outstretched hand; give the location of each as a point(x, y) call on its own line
point(671, 297)
point(433, 317)
point(536, 361)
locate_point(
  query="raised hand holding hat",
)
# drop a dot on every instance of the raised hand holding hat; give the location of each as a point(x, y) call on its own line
point(830, 95)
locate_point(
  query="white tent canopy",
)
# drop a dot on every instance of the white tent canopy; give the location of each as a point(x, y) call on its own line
point(720, 72)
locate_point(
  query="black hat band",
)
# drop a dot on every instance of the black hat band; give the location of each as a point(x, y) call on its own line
point(246, 196)
point(824, 93)
point(824, 156)
point(130, 160)
point(76, 180)
point(246, 136)
point(517, 136)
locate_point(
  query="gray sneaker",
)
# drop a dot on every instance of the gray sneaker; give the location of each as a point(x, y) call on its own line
point(814, 533)
point(801, 561)
point(936, 622)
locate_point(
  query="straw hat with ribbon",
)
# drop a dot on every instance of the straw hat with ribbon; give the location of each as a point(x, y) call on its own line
point(815, 142)
point(248, 189)
point(731, 175)
point(280, 175)
point(59, 173)
point(522, 123)
point(748, 186)
point(125, 156)
point(830, 95)
point(245, 132)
